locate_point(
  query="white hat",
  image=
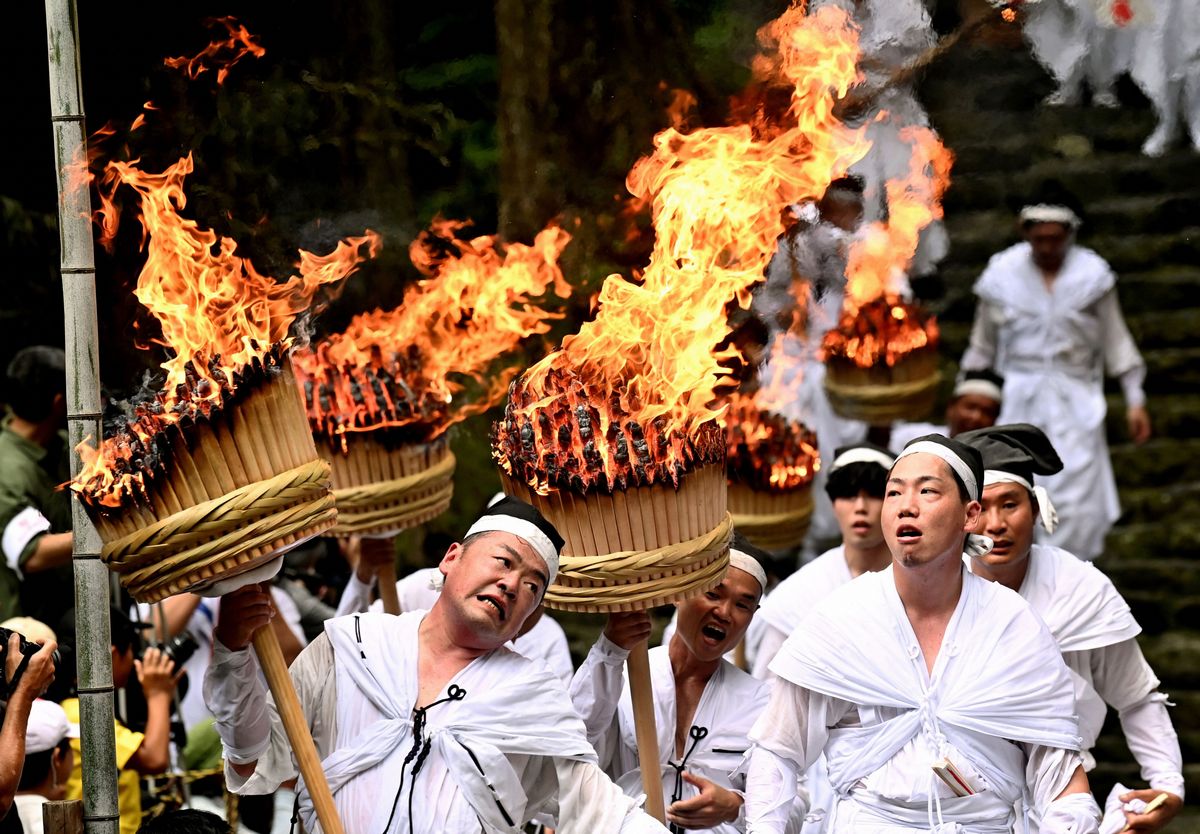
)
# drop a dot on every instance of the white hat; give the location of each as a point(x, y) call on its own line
point(47, 727)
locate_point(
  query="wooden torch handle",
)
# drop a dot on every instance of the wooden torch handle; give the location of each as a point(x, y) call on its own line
point(387, 588)
point(270, 657)
point(642, 696)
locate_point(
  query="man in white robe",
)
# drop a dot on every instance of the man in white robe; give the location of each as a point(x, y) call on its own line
point(704, 705)
point(1078, 40)
point(541, 638)
point(425, 722)
point(1166, 66)
point(1049, 321)
point(974, 404)
point(807, 278)
point(854, 482)
point(1091, 623)
point(939, 700)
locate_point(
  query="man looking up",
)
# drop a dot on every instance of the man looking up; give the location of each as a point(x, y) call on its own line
point(1090, 621)
point(939, 699)
point(425, 722)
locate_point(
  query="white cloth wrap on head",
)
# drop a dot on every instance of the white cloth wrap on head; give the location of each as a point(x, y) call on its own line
point(1046, 213)
point(976, 545)
point(746, 562)
point(526, 530)
point(1046, 512)
point(861, 454)
point(979, 387)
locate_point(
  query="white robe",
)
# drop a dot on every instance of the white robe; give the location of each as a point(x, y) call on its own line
point(1166, 66)
point(717, 739)
point(1052, 346)
point(999, 704)
point(1074, 41)
point(501, 745)
point(419, 590)
point(1096, 632)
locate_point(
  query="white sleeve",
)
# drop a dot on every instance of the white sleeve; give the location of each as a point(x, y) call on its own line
point(1048, 771)
point(1075, 813)
point(595, 692)
point(356, 598)
point(789, 735)
point(981, 349)
point(1121, 356)
point(1126, 682)
point(769, 644)
point(237, 698)
point(589, 802)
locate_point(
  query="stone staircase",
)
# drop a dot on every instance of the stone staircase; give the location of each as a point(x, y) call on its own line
point(1144, 217)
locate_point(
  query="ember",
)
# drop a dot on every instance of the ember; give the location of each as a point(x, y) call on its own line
point(405, 369)
point(631, 399)
point(225, 324)
point(766, 451)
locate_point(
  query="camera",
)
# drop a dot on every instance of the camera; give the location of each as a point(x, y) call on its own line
point(28, 650)
point(180, 648)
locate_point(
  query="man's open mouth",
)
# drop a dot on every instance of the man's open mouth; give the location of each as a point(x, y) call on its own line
point(495, 603)
point(907, 533)
point(713, 632)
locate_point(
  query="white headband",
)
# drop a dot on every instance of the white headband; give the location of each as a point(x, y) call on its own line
point(1046, 512)
point(1046, 213)
point(526, 530)
point(861, 454)
point(743, 561)
point(956, 463)
point(980, 387)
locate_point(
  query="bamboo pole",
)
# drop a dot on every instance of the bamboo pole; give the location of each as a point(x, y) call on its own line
point(641, 696)
point(386, 574)
point(77, 265)
point(270, 657)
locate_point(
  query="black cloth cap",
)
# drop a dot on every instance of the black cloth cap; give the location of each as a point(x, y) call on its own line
point(1019, 449)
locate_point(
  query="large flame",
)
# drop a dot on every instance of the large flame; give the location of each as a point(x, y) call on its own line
point(218, 316)
point(222, 53)
point(877, 327)
point(626, 399)
point(764, 449)
point(404, 367)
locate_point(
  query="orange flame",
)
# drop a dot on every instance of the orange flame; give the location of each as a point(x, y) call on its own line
point(642, 375)
point(879, 256)
point(218, 316)
point(765, 450)
point(220, 54)
point(403, 367)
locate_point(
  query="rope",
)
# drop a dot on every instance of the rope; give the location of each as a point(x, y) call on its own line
point(883, 403)
point(636, 578)
point(224, 536)
point(396, 504)
point(777, 530)
point(208, 520)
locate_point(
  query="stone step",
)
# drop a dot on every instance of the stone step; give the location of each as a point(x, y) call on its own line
point(973, 243)
point(1172, 370)
point(1159, 614)
point(1160, 460)
point(1096, 177)
point(1173, 415)
point(1167, 504)
point(1175, 658)
point(1150, 556)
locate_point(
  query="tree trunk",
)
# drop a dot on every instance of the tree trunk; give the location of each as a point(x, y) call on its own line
point(93, 658)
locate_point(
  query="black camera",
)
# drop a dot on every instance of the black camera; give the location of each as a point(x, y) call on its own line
point(180, 648)
point(27, 650)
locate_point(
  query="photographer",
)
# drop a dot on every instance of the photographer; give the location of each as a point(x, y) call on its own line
point(21, 687)
point(138, 754)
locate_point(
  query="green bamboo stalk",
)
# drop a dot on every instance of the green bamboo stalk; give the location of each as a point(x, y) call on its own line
point(77, 262)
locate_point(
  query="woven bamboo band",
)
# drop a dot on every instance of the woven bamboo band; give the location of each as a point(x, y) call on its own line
point(882, 402)
point(204, 565)
point(792, 524)
point(219, 519)
point(638, 577)
point(396, 504)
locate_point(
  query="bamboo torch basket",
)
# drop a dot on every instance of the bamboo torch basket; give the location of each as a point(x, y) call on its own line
point(883, 394)
point(771, 519)
point(632, 550)
point(239, 488)
point(382, 489)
